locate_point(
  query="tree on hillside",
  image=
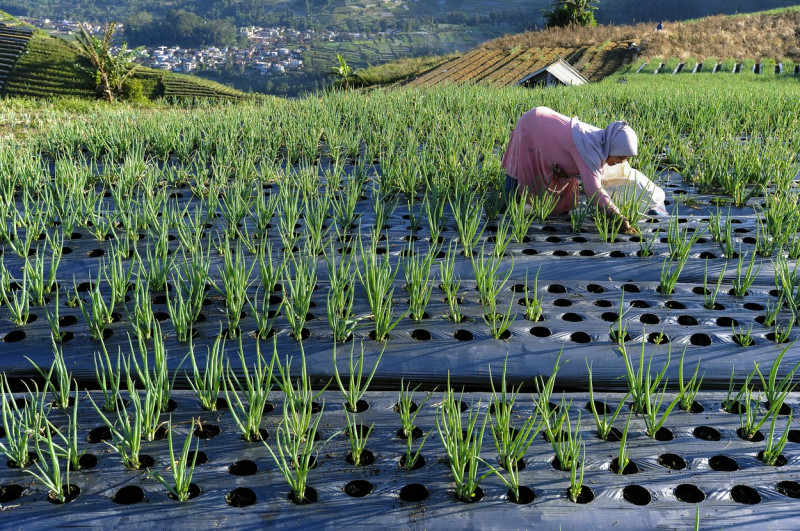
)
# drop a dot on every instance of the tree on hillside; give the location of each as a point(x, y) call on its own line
point(571, 13)
point(110, 70)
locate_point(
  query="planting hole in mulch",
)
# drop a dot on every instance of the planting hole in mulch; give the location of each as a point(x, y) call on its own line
point(657, 338)
point(602, 303)
point(723, 463)
point(745, 495)
point(243, 467)
point(727, 322)
point(639, 304)
point(358, 488)
point(463, 335)
point(556, 288)
point(477, 496)
point(32, 458)
point(67, 320)
point(128, 495)
point(98, 435)
point(630, 468)
point(421, 334)
point(674, 305)
point(561, 303)
point(734, 407)
point(780, 461)
point(649, 319)
point(361, 406)
point(671, 461)
point(743, 340)
point(145, 462)
point(14, 336)
point(706, 433)
point(689, 493)
point(526, 496)
point(687, 320)
point(540, 331)
point(530, 252)
point(412, 408)
point(208, 431)
point(630, 288)
point(614, 435)
point(11, 492)
point(664, 435)
point(87, 462)
point(783, 410)
point(601, 407)
point(637, 495)
point(595, 288)
point(609, 317)
point(695, 408)
point(367, 458)
point(586, 495)
point(241, 497)
point(194, 492)
point(753, 307)
point(73, 491)
point(572, 318)
point(757, 437)
point(518, 288)
point(414, 492)
point(560, 252)
point(700, 340)
point(617, 254)
point(580, 337)
point(700, 290)
point(794, 436)
point(557, 465)
point(587, 252)
point(416, 433)
point(769, 335)
point(787, 488)
point(199, 458)
point(419, 463)
point(305, 333)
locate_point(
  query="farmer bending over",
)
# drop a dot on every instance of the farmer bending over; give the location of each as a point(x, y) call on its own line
point(549, 153)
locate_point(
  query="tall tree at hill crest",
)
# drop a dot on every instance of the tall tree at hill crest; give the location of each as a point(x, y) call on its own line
point(571, 13)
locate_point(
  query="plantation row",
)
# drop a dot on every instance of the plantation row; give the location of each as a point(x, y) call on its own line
point(137, 394)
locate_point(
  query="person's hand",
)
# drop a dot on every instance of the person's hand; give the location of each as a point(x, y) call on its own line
point(627, 228)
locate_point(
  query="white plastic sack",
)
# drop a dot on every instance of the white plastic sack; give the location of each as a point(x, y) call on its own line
point(623, 182)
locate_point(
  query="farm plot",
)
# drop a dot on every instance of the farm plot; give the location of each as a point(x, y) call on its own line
point(150, 250)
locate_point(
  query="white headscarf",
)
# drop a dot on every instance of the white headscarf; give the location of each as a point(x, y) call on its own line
point(595, 145)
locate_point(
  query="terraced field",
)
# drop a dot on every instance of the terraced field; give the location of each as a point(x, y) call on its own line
point(508, 67)
point(711, 65)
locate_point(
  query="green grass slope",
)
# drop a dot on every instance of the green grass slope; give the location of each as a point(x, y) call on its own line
point(48, 67)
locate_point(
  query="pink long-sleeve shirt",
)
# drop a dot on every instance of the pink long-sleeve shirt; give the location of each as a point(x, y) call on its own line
point(541, 138)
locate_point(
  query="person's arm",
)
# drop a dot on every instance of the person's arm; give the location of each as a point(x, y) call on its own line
point(593, 187)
